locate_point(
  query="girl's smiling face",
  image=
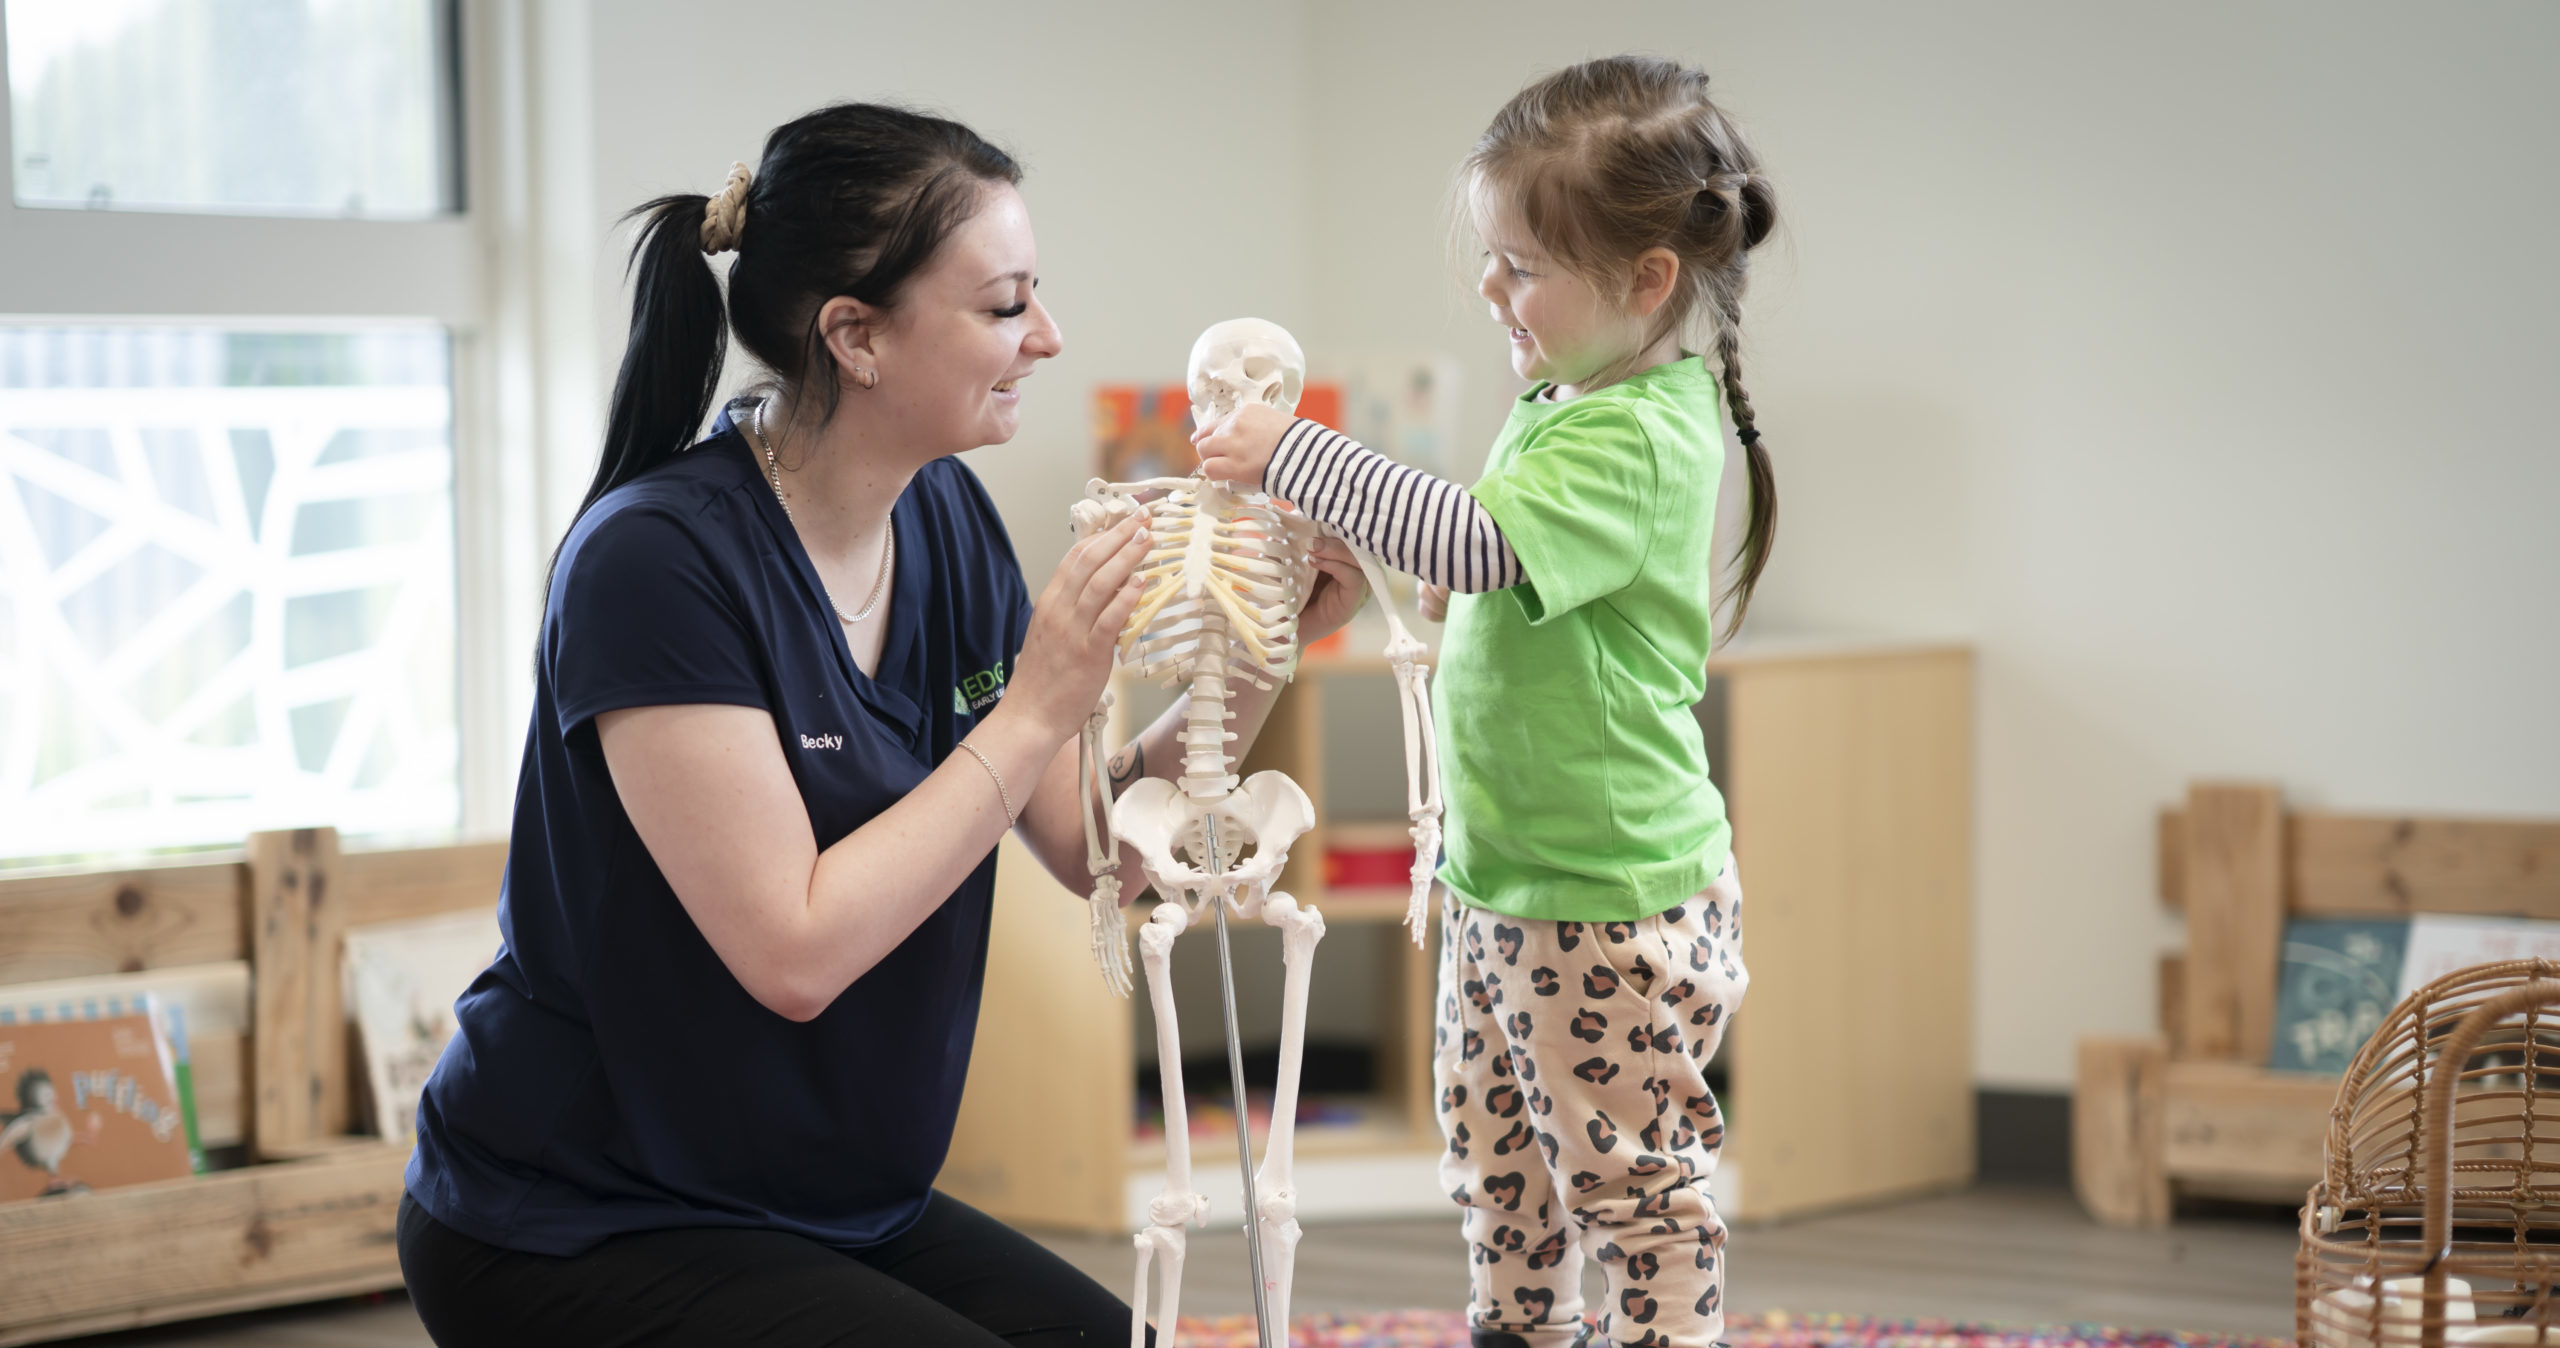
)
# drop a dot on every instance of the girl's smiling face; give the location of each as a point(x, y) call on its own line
point(1562, 329)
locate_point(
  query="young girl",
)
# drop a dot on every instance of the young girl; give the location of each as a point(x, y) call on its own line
point(1592, 949)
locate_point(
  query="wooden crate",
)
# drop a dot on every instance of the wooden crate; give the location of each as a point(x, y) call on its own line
point(311, 1217)
point(2192, 1110)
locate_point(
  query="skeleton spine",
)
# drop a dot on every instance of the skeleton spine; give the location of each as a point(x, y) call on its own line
point(1205, 733)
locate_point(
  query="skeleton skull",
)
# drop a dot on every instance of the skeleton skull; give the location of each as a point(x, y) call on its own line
point(1244, 360)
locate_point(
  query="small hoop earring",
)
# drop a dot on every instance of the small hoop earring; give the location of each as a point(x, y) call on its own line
point(867, 378)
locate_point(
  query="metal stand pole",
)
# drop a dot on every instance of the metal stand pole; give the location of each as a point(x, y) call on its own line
point(1235, 1076)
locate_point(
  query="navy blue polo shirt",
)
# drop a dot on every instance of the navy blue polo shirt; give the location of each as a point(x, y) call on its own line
point(609, 1073)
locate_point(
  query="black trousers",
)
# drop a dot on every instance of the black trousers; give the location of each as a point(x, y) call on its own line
point(958, 1277)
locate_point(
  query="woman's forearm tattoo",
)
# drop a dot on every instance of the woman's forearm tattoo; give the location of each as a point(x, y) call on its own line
point(1127, 766)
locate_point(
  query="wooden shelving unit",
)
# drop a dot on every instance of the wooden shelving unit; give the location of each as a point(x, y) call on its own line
point(1848, 770)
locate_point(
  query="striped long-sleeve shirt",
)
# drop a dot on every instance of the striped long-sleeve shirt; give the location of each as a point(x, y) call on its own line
point(1426, 526)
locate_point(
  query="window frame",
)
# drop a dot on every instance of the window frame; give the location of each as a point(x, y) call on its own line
point(457, 271)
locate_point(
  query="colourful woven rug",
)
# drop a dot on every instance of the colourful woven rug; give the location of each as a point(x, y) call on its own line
point(1448, 1329)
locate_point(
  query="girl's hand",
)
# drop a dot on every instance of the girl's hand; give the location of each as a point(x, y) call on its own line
point(1075, 623)
point(1238, 447)
point(1434, 602)
point(1339, 591)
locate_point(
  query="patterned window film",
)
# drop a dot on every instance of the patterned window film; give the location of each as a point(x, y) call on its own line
point(226, 585)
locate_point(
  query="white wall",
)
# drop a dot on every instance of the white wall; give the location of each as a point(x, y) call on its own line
point(2186, 358)
point(2190, 359)
point(1120, 113)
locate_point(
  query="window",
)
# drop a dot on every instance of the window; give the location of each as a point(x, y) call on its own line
point(226, 584)
point(237, 429)
point(325, 107)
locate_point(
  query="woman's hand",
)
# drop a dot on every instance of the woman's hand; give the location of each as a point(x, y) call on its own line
point(1339, 590)
point(1434, 602)
point(1075, 623)
point(1238, 447)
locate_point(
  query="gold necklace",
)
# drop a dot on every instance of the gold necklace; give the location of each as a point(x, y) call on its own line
point(888, 549)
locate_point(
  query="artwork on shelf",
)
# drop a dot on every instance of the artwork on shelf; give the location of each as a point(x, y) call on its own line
point(1405, 407)
point(402, 979)
point(2340, 976)
point(1143, 431)
point(89, 1103)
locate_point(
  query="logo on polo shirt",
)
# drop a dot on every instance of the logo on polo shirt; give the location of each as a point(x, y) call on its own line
point(979, 691)
point(822, 741)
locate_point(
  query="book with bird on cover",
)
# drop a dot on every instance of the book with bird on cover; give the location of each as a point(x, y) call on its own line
point(87, 1104)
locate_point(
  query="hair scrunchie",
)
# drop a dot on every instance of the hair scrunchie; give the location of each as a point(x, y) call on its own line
point(724, 220)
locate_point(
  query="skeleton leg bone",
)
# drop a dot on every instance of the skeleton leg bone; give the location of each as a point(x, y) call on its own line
point(1276, 1225)
point(1177, 1207)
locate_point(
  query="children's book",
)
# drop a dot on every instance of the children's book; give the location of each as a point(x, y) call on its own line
point(2440, 943)
point(402, 979)
point(2340, 977)
point(188, 999)
point(87, 1104)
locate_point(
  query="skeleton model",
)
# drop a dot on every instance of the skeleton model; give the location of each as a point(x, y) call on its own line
point(1222, 587)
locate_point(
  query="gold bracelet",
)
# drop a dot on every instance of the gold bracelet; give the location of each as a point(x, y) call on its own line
point(1001, 793)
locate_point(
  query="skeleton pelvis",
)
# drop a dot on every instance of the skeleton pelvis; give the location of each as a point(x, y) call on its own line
point(1268, 813)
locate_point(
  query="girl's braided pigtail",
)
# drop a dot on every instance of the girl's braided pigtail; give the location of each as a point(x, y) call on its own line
point(1761, 530)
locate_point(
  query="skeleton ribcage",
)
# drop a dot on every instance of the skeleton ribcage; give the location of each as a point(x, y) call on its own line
point(1223, 581)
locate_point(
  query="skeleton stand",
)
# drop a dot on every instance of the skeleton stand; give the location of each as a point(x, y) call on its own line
point(1244, 1132)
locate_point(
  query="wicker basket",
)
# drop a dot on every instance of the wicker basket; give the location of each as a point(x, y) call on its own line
point(2441, 1188)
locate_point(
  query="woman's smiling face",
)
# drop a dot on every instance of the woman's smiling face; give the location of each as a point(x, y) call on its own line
point(967, 330)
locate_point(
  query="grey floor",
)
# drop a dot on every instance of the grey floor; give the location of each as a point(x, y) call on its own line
point(2012, 1256)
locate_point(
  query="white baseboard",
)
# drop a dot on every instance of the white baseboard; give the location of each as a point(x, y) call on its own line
point(1390, 1184)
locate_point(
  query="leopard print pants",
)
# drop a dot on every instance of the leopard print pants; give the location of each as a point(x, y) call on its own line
point(1570, 1064)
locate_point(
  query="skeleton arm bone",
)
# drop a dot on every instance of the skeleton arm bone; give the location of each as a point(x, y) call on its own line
point(1421, 749)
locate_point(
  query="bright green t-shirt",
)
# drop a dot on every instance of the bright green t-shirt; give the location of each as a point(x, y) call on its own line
point(1574, 769)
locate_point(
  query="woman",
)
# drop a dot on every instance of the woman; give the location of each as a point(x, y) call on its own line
point(790, 692)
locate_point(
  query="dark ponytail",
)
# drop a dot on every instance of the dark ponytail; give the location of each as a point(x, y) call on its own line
point(852, 199)
point(679, 338)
